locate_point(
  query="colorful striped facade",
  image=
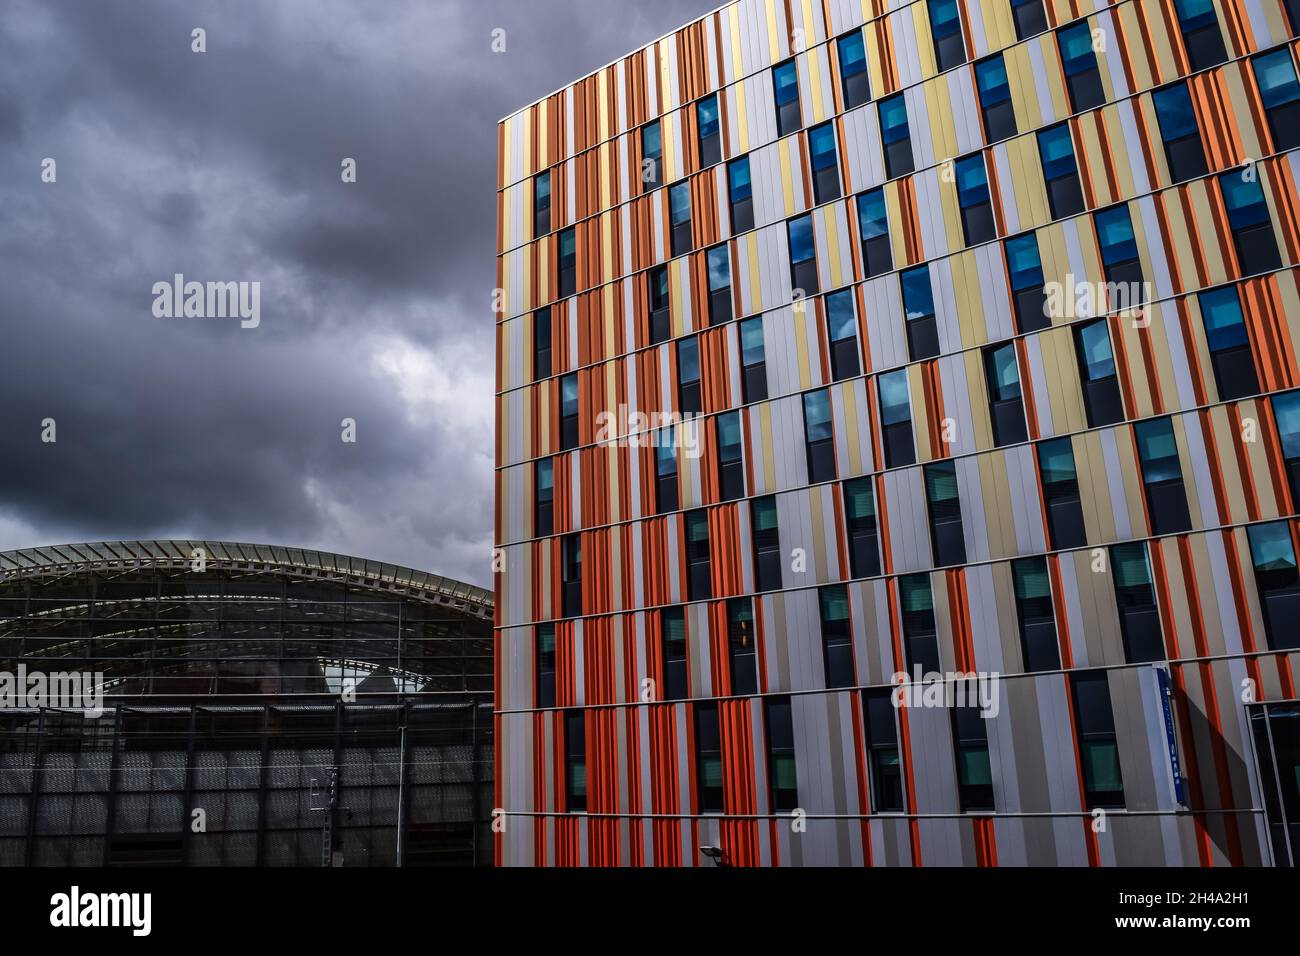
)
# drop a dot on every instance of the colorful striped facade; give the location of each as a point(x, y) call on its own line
point(901, 468)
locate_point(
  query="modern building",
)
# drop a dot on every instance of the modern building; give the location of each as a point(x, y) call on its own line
point(841, 340)
point(260, 706)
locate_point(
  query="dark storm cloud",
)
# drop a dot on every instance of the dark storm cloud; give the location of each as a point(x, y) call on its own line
point(225, 166)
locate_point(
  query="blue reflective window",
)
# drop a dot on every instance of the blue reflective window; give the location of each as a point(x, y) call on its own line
point(738, 179)
point(944, 21)
point(688, 360)
point(873, 220)
point(840, 316)
point(991, 80)
point(679, 202)
point(821, 144)
point(651, 144)
point(1094, 343)
point(1174, 111)
point(569, 395)
point(751, 342)
point(1221, 312)
point(972, 181)
point(895, 401)
point(1024, 263)
point(1195, 14)
point(893, 119)
point(1075, 43)
point(1275, 75)
point(801, 239)
point(719, 268)
point(1158, 450)
point(853, 54)
point(1115, 234)
point(918, 294)
point(707, 115)
point(1270, 546)
point(1286, 409)
point(1244, 199)
point(1056, 148)
point(817, 415)
point(786, 80)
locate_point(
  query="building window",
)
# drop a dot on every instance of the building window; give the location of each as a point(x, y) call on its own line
point(679, 205)
point(741, 191)
point(1119, 251)
point(944, 505)
point(883, 765)
point(1272, 551)
point(767, 543)
point(973, 197)
point(825, 169)
point(970, 741)
point(785, 83)
point(1061, 494)
point(819, 436)
point(1225, 334)
point(1082, 79)
point(895, 136)
point(541, 204)
point(803, 257)
point(918, 306)
point(661, 322)
point(1101, 396)
point(1286, 412)
point(837, 637)
point(1006, 408)
point(1135, 599)
point(568, 264)
point(782, 779)
point(995, 99)
point(731, 472)
point(708, 758)
point(699, 577)
point(1030, 18)
point(753, 378)
point(1252, 229)
point(1103, 784)
point(873, 221)
point(1033, 591)
point(1292, 8)
point(896, 419)
point(652, 157)
point(1028, 293)
point(571, 590)
point(1201, 34)
point(544, 518)
point(1162, 476)
point(666, 471)
point(575, 762)
point(920, 639)
point(864, 537)
point(672, 625)
point(1279, 91)
point(742, 643)
point(842, 324)
point(541, 344)
point(706, 119)
point(855, 80)
point(544, 664)
point(1060, 174)
point(688, 376)
point(569, 412)
point(1180, 133)
point(945, 28)
point(719, 268)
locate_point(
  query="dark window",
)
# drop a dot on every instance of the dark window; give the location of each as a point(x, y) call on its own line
point(1272, 551)
point(1225, 334)
point(544, 517)
point(1252, 229)
point(731, 471)
point(1030, 18)
point(918, 306)
point(803, 256)
point(541, 204)
point(883, 764)
point(1201, 34)
point(837, 637)
point(742, 644)
point(785, 83)
point(1101, 396)
point(1033, 591)
point(873, 221)
point(767, 543)
point(896, 419)
point(1286, 411)
point(864, 537)
point(1292, 8)
point(569, 412)
point(842, 325)
point(719, 268)
point(1103, 785)
point(1119, 254)
point(945, 28)
point(699, 578)
point(895, 136)
point(1162, 476)
point(1060, 174)
point(544, 651)
point(855, 80)
point(1082, 79)
point(995, 99)
point(679, 206)
point(944, 505)
point(970, 741)
point(706, 118)
point(652, 157)
point(666, 471)
point(825, 169)
point(541, 344)
point(568, 262)
point(708, 758)
point(1061, 494)
point(819, 436)
point(1135, 599)
point(753, 364)
point(741, 192)
point(1180, 133)
point(782, 779)
point(661, 321)
point(1028, 295)
point(572, 584)
point(672, 624)
point(920, 639)
point(1279, 91)
point(575, 762)
point(973, 197)
point(688, 377)
point(1006, 408)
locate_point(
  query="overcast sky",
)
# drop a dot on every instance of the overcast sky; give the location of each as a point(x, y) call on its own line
point(225, 166)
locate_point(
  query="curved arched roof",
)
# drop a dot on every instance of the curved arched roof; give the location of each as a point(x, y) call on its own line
point(65, 559)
